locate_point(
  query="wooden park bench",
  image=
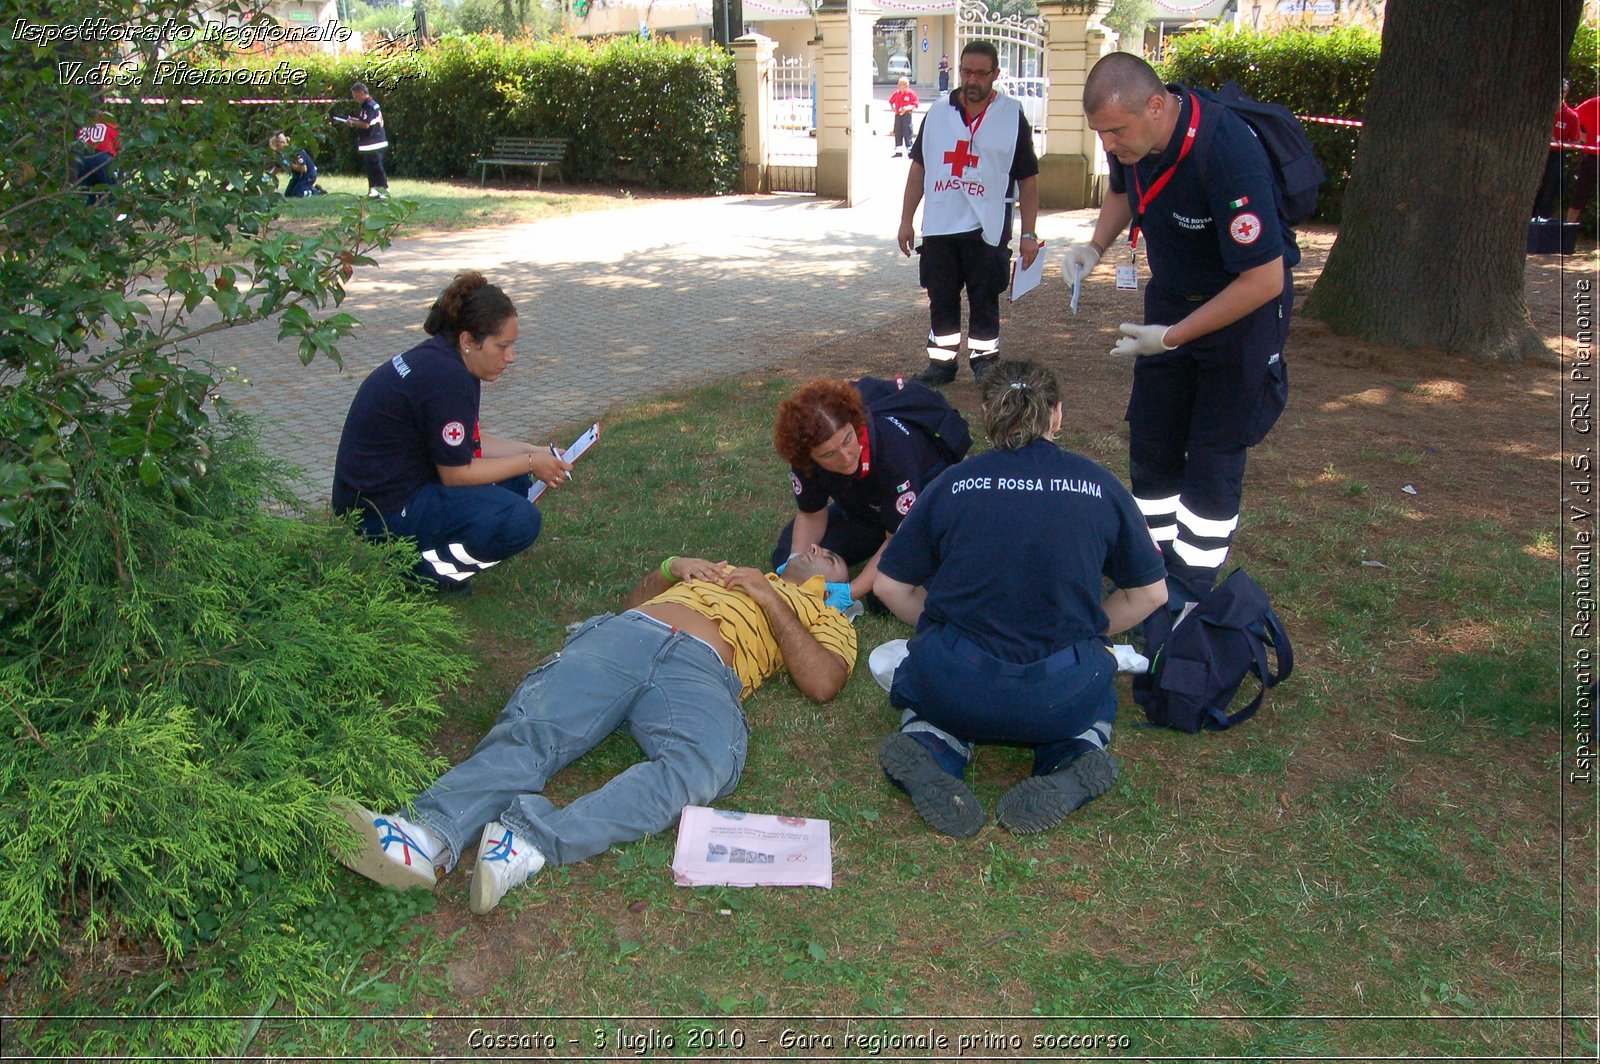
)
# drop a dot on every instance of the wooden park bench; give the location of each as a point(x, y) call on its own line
point(538, 152)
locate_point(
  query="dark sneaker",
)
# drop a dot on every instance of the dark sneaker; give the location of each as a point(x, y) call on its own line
point(937, 374)
point(981, 368)
point(942, 800)
point(1042, 802)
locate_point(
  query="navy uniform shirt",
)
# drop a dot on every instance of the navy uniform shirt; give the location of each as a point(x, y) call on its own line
point(374, 134)
point(1013, 547)
point(1218, 215)
point(900, 462)
point(412, 414)
point(1024, 161)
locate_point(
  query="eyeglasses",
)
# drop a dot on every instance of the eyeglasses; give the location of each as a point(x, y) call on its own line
point(966, 73)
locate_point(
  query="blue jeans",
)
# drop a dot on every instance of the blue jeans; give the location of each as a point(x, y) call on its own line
point(674, 695)
point(460, 532)
point(1060, 705)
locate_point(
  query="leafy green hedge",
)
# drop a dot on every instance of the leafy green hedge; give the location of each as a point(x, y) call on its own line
point(651, 113)
point(1319, 74)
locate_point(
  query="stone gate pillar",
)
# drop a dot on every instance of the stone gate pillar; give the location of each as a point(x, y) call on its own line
point(1072, 171)
point(752, 63)
point(844, 92)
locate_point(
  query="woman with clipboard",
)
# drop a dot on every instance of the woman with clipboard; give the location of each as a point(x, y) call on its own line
point(412, 461)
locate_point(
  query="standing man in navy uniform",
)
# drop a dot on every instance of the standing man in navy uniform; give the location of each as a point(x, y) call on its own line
point(1209, 379)
point(371, 140)
point(981, 149)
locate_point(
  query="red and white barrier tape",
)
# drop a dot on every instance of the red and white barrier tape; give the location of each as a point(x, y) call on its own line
point(188, 100)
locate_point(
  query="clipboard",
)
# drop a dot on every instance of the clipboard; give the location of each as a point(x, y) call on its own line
point(571, 454)
point(1026, 279)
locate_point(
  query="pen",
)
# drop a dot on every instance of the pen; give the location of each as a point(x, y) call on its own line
point(558, 458)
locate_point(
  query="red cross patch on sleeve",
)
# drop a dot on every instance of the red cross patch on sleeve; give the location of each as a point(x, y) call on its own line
point(1245, 229)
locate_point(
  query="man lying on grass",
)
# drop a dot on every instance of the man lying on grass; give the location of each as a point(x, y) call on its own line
point(696, 638)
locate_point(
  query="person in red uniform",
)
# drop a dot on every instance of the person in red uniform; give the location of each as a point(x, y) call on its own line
point(101, 142)
point(1547, 203)
point(1588, 162)
point(904, 104)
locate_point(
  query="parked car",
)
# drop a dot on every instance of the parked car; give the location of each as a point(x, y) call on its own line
point(899, 66)
point(1031, 93)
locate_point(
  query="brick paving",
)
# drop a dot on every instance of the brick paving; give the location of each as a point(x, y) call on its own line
point(614, 306)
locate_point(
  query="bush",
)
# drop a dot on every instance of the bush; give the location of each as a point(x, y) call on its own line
point(186, 676)
point(1324, 75)
point(652, 113)
point(198, 677)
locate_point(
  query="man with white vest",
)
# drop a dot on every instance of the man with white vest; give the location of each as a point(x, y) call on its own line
point(972, 159)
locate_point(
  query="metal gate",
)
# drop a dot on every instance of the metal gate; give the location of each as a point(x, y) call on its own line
point(792, 136)
point(1020, 41)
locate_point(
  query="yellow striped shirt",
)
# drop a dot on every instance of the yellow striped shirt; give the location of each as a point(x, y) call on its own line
point(744, 623)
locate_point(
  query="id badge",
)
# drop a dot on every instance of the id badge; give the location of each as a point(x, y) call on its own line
point(1127, 279)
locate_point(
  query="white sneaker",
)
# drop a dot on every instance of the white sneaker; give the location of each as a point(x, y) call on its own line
point(505, 860)
point(394, 852)
point(885, 659)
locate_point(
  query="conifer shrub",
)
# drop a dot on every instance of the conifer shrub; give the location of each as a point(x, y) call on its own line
point(197, 677)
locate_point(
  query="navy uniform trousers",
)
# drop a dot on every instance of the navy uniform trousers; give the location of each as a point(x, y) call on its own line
point(1193, 414)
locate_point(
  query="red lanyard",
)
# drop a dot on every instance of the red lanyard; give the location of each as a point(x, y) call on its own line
point(974, 123)
point(1161, 182)
point(866, 452)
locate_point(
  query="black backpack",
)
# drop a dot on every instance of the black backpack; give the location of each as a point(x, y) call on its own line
point(917, 404)
point(1197, 667)
point(1294, 161)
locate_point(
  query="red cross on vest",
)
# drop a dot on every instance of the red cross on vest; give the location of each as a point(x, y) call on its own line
point(961, 158)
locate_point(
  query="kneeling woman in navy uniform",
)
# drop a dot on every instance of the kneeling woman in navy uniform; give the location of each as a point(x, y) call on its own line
point(1001, 568)
point(855, 473)
point(412, 461)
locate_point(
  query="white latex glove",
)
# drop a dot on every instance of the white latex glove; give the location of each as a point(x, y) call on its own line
point(1142, 339)
point(1129, 659)
point(1080, 258)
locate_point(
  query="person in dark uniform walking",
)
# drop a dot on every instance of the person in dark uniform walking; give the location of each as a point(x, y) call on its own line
point(855, 473)
point(973, 155)
point(1209, 379)
point(372, 139)
point(412, 459)
point(1001, 566)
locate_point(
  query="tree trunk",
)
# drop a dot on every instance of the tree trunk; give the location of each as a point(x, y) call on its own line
point(1433, 241)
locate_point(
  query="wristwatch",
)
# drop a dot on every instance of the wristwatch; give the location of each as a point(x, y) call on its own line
point(1030, 236)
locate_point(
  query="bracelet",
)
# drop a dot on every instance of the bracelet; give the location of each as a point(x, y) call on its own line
point(530, 463)
point(1098, 250)
point(666, 569)
point(1030, 236)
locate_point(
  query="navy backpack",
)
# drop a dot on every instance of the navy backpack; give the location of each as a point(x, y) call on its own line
point(1198, 666)
point(1295, 169)
point(919, 405)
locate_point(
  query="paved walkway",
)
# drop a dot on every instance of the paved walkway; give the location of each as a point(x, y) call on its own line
point(614, 306)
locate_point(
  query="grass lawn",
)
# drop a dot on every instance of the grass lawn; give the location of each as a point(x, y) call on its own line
point(1369, 865)
point(447, 205)
point(1387, 863)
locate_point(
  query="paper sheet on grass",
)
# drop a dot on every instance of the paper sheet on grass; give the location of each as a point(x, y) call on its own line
point(571, 454)
point(721, 848)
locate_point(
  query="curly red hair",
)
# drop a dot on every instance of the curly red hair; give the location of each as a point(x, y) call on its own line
point(810, 416)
